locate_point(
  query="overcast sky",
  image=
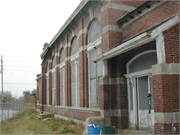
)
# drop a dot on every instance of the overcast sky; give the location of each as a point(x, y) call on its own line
point(25, 25)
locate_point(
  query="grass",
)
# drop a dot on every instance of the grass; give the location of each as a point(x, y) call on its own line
point(26, 123)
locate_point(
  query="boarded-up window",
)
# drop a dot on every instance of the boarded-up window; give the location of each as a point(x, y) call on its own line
point(53, 82)
point(143, 62)
point(75, 99)
point(62, 78)
point(95, 69)
point(53, 88)
point(47, 90)
point(95, 74)
point(94, 31)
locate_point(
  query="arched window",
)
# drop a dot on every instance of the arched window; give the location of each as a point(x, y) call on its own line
point(47, 83)
point(142, 61)
point(62, 77)
point(75, 73)
point(95, 72)
point(94, 31)
point(53, 82)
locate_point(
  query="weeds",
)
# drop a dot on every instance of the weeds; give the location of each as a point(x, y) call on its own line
point(26, 123)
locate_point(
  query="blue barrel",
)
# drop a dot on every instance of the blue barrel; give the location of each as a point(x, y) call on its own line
point(94, 130)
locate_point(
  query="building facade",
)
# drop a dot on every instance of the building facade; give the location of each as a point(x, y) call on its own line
point(116, 60)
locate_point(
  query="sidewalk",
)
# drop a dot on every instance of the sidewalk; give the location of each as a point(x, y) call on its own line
point(137, 132)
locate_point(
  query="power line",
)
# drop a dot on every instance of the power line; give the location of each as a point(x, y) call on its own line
point(20, 66)
point(20, 56)
point(22, 83)
point(29, 72)
point(2, 75)
point(22, 61)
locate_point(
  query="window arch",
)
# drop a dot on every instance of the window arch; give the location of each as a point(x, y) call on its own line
point(62, 77)
point(62, 56)
point(53, 62)
point(94, 70)
point(75, 100)
point(74, 46)
point(94, 31)
point(142, 61)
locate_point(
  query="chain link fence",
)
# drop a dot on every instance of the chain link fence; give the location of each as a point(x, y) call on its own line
point(9, 110)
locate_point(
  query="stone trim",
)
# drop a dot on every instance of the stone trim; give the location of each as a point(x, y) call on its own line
point(83, 48)
point(112, 81)
point(67, 118)
point(79, 109)
point(172, 68)
point(67, 45)
point(67, 58)
point(95, 44)
point(114, 112)
point(110, 28)
point(170, 117)
point(108, 4)
point(82, 31)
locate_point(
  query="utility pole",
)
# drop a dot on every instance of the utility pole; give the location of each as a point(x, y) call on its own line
point(2, 76)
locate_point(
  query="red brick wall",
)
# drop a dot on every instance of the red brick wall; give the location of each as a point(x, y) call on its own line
point(47, 109)
point(156, 16)
point(110, 38)
point(171, 40)
point(167, 128)
point(104, 97)
point(166, 93)
point(119, 121)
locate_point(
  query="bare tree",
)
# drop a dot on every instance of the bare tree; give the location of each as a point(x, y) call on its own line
point(7, 96)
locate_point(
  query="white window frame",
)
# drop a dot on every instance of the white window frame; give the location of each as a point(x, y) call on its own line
point(91, 47)
point(62, 66)
point(47, 88)
point(53, 88)
point(75, 58)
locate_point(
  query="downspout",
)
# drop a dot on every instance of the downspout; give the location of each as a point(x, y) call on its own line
point(42, 88)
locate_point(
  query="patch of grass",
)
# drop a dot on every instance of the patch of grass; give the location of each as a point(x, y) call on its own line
point(26, 123)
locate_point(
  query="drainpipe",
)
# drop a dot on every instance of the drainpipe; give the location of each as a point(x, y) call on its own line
point(42, 87)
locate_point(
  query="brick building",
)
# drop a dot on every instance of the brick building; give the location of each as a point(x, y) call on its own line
point(118, 61)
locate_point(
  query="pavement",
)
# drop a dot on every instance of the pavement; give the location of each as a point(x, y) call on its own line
point(137, 132)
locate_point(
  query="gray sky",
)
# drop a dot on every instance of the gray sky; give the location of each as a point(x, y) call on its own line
point(25, 25)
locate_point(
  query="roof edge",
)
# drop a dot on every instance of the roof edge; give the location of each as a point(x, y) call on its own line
point(130, 14)
point(72, 16)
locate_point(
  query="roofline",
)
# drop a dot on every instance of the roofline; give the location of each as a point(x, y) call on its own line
point(66, 24)
point(72, 16)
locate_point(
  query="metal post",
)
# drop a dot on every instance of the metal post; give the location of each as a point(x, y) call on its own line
point(2, 76)
point(8, 109)
point(2, 113)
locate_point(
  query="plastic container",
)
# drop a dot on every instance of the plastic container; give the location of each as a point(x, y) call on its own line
point(94, 130)
point(108, 130)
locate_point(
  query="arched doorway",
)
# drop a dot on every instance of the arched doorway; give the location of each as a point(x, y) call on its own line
point(140, 90)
